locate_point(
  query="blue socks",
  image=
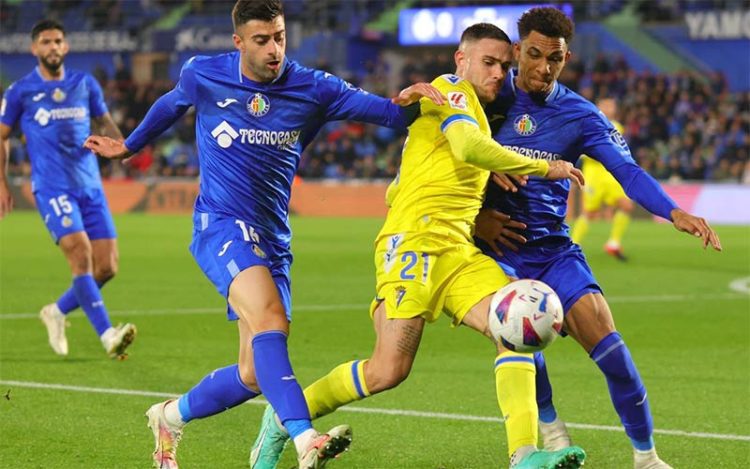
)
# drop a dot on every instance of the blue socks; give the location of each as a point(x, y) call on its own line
point(547, 412)
point(217, 392)
point(278, 383)
point(626, 389)
point(223, 388)
point(90, 298)
point(68, 301)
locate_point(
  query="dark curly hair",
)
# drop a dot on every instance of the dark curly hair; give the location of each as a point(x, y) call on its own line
point(548, 21)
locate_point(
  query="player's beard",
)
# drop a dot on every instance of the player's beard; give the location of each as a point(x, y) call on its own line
point(52, 67)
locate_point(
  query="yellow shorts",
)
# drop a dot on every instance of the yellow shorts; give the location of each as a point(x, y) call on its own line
point(601, 189)
point(422, 275)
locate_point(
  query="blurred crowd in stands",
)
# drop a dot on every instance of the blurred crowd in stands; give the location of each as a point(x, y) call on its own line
point(684, 126)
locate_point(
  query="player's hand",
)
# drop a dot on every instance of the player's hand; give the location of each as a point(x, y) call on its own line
point(509, 182)
point(416, 91)
point(496, 228)
point(107, 147)
point(560, 169)
point(6, 199)
point(696, 226)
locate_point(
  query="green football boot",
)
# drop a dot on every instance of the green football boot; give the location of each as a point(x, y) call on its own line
point(566, 458)
point(270, 443)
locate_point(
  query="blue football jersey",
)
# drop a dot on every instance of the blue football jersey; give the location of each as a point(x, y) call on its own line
point(250, 135)
point(561, 127)
point(55, 117)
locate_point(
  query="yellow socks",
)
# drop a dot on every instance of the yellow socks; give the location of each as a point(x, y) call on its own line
point(344, 384)
point(620, 222)
point(579, 230)
point(516, 393)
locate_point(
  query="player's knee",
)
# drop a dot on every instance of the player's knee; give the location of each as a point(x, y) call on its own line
point(80, 261)
point(105, 273)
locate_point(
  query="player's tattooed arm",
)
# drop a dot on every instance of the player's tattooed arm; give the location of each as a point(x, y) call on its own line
point(106, 126)
point(6, 198)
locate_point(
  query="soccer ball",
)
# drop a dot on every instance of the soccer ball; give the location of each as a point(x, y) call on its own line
point(525, 315)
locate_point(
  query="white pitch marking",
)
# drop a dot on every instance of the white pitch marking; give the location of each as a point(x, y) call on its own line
point(741, 285)
point(371, 410)
point(189, 311)
point(363, 306)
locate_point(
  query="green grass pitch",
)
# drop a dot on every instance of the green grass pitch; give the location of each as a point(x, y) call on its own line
point(688, 331)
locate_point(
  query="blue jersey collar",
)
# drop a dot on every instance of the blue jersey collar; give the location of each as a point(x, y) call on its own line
point(41, 77)
point(243, 79)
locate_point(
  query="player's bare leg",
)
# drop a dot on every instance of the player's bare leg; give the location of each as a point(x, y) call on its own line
point(78, 251)
point(106, 259)
point(254, 297)
point(396, 345)
point(515, 386)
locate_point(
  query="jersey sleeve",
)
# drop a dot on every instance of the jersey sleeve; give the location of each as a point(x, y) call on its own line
point(166, 110)
point(11, 107)
point(604, 143)
point(459, 107)
point(97, 106)
point(342, 100)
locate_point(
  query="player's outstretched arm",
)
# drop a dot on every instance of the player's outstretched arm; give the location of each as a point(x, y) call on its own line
point(696, 226)
point(470, 145)
point(415, 92)
point(107, 147)
point(6, 198)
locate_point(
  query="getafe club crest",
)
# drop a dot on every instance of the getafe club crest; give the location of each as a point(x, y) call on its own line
point(58, 95)
point(258, 105)
point(524, 125)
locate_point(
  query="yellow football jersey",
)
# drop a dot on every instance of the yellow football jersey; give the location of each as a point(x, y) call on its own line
point(434, 192)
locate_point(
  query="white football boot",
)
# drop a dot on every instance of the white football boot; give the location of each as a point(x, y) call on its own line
point(116, 339)
point(648, 460)
point(325, 447)
point(54, 320)
point(166, 437)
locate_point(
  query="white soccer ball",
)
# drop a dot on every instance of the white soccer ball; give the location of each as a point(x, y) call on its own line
point(525, 315)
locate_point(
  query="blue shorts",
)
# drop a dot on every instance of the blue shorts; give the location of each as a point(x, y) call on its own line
point(557, 261)
point(223, 247)
point(67, 211)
